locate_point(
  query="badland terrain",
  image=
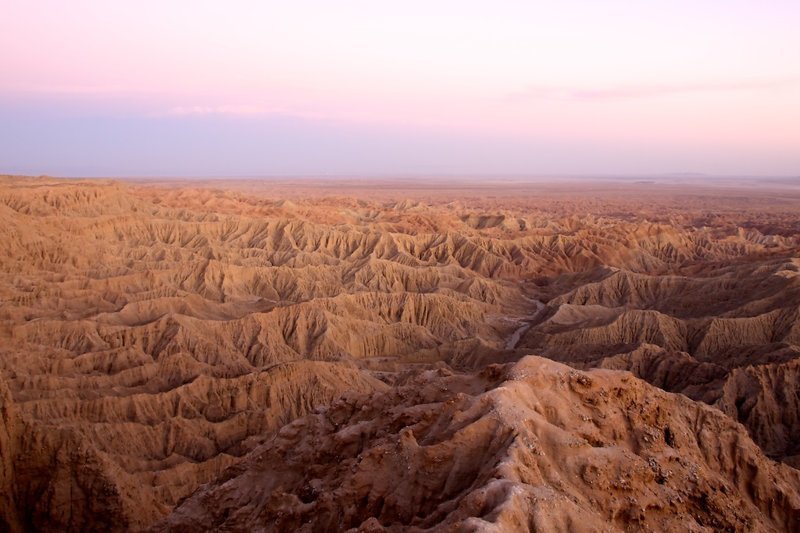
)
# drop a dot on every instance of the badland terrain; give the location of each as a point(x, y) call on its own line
point(445, 355)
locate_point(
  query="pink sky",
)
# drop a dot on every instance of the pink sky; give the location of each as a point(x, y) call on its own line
point(706, 86)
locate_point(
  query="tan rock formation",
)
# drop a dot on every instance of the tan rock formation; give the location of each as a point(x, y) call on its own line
point(155, 333)
point(530, 446)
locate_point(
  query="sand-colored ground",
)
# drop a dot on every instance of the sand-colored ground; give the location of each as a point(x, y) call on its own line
point(324, 355)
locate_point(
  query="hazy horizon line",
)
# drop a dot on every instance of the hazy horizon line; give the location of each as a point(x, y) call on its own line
point(410, 176)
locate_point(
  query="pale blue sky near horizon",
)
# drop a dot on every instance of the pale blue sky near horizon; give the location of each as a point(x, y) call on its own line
point(245, 88)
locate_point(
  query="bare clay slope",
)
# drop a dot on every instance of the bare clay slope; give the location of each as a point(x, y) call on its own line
point(534, 446)
point(730, 337)
point(153, 335)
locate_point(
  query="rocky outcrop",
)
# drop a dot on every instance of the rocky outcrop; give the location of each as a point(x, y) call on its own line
point(119, 462)
point(766, 398)
point(9, 446)
point(530, 446)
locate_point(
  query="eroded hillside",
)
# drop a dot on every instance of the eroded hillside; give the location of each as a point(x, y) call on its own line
point(155, 334)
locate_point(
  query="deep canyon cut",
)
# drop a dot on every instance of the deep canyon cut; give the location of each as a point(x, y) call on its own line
point(451, 355)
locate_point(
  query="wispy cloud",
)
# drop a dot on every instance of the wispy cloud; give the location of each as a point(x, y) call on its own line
point(256, 110)
point(76, 90)
point(245, 110)
point(637, 91)
point(242, 110)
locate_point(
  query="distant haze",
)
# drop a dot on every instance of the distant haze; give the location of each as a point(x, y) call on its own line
point(93, 88)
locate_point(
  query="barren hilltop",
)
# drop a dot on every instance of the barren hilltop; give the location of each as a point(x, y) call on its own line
point(445, 355)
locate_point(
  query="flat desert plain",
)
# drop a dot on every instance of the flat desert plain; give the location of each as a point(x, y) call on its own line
point(441, 354)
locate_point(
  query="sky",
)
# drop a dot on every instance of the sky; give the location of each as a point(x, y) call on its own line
point(257, 88)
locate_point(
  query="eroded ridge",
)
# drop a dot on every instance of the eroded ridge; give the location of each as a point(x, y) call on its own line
point(156, 334)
